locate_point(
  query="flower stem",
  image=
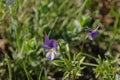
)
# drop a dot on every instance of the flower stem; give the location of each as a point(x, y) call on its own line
point(89, 64)
point(26, 72)
point(9, 68)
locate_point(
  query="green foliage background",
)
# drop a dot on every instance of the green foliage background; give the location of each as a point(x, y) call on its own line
point(24, 24)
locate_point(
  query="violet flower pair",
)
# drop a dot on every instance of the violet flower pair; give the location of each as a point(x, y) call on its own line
point(50, 45)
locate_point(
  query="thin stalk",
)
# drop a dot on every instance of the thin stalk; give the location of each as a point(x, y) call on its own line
point(89, 56)
point(9, 68)
point(89, 64)
point(53, 26)
point(45, 73)
point(114, 33)
point(81, 8)
point(84, 39)
point(62, 5)
point(39, 77)
point(61, 52)
point(27, 74)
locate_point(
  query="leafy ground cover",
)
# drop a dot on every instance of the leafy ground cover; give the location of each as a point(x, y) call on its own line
point(59, 40)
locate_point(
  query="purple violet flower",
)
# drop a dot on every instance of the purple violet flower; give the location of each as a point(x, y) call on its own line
point(51, 46)
point(93, 34)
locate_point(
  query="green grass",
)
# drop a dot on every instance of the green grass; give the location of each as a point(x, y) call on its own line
point(24, 24)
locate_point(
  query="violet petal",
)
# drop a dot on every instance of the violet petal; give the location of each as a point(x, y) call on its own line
point(45, 46)
point(92, 35)
point(50, 56)
point(47, 40)
point(53, 44)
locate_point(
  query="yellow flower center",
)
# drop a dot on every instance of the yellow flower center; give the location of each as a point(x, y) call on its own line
point(52, 51)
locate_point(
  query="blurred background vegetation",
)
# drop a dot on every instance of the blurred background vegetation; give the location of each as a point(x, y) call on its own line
point(24, 23)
